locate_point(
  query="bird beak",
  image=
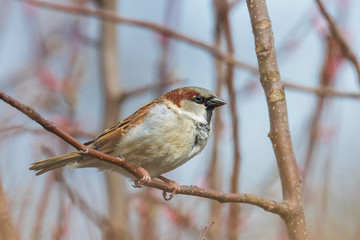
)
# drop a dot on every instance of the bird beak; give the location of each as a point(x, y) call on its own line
point(214, 102)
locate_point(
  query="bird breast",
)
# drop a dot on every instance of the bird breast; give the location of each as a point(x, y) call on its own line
point(163, 141)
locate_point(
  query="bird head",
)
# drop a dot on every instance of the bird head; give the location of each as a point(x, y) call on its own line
point(195, 102)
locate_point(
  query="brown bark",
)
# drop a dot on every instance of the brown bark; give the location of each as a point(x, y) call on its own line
point(214, 172)
point(233, 230)
point(116, 195)
point(7, 230)
point(279, 127)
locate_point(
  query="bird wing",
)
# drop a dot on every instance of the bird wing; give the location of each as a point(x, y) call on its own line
point(106, 142)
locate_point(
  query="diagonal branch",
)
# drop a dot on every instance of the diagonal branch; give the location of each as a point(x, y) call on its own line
point(336, 33)
point(280, 208)
point(207, 228)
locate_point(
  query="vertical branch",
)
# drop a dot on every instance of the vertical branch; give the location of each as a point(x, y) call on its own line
point(117, 204)
point(214, 172)
point(233, 227)
point(332, 62)
point(147, 225)
point(41, 211)
point(279, 134)
point(333, 59)
point(164, 73)
point(7, 230)
point(323, 212)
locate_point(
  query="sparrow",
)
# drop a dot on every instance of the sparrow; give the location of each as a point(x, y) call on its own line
point(157, 138)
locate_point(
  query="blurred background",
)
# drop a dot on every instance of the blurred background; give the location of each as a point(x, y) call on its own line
point(86, 75)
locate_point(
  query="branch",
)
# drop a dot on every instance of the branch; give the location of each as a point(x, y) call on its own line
point(234, 212)
point(51, 127)
point(207, 228)
point(336, 33)
point(233, 4)
point(109, 67)
point(323, 91)
point(112, 17)
point(280, 208)
point(101, 221)
point(7, 229)
point(149, 87)
point(279, 126)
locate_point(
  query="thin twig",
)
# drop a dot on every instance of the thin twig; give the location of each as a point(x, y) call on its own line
point(336, 33)
point(207, 228)
point(109, 16)
point(323, 91)
point(280, 208)
point(140, 90)
point(182, 220)
point(51, 127)
point(15, 129)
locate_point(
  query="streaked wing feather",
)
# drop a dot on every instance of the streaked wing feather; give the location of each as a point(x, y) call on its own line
point(106, 141)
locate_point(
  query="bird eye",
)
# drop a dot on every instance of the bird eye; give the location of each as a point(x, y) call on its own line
point(199, 99)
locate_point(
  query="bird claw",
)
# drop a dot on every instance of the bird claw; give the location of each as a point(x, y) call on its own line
point(145, 178)
point(173, 184)
point(83, 152)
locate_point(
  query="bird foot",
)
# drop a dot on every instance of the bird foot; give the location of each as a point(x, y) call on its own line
point(173, 184)
point(145, 179)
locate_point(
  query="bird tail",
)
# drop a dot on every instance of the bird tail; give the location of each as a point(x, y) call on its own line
point(48, 164)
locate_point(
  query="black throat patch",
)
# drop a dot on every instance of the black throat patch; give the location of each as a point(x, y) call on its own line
point(209, 112)
point(202, 135)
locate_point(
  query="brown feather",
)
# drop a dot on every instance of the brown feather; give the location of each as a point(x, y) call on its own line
point(105, 142)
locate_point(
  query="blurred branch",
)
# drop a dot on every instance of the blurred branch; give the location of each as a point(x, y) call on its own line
point(101, 221)
point(279, 134)
point(109, 16)
point(164, 73)
point(215, 168)
point(207, 228)
point(176, 216)
point(234, 211)
point(51, 127)
point(7, 230)
point(41, 208)
point(326, 80)
point(232, 4)
point(280, 208)
point(323, 91)
point(336, 33)
point(110, 66)
point(149, 87)
point(16, 129)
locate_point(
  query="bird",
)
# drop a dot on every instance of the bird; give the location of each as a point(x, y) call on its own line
point(157, 138)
